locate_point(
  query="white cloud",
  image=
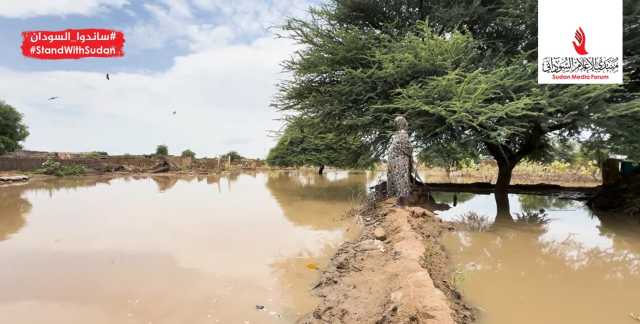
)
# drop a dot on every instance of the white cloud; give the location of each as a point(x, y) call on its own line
point(166, 24)
point(202, 37)
point(34, 8)
point(173, 21)
point(219, 94)
point(251, 16)
point(221, 91)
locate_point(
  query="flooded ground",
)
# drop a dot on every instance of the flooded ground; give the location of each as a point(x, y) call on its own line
point(209, 249)
point(552, 262)
point(168, 249)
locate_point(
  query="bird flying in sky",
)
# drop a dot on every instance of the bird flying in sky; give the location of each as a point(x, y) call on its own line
point(108, 76)
point(53, 98)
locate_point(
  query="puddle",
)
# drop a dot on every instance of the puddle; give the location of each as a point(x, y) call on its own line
point(552, 261)
point(169, 249)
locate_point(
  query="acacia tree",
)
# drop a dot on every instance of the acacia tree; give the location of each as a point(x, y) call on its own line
point(304, 142)
point(360, 67)
point(503, 108)
point(358, 70)
point(12, 129)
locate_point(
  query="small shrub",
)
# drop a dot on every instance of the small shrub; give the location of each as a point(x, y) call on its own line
point(533, 218)
point(51, 167)
point(96, 154)
point(529, 171)
point(458, 276)
point(473, 222)
point(162, 150)
point(188, 153)
point(233, 155)
point(468, 163)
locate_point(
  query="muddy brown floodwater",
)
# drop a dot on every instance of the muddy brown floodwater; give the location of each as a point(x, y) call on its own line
point(555, 262)
point(169, 249)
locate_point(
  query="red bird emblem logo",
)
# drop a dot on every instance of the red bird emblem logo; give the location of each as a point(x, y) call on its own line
point(580, 46)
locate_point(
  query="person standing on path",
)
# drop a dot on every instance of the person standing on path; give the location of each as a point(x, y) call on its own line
point(399, 166)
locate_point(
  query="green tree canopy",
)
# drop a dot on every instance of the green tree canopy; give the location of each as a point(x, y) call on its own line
point(12, 129)
point(504, 27)
point(233, 155)
point(449, 155)
point(188, 153)
point(468, 76)
point(305, 142)
point(162, 150)
point(502, 108)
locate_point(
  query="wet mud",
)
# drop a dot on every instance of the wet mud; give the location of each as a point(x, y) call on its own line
point(395, 272)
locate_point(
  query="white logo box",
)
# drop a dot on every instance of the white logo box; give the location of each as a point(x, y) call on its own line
point(560, 62)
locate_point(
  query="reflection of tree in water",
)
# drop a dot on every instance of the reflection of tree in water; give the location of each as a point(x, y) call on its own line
point(308, 185)
point(12, 211)
point(503, 207)
point(525, 231)
point(250, 173)
point(617, 223)
point(623, 230)
point(452, 198)
point(164, 182)
point(474, 222)
point(309, 199)
point(515, 259)
point(533, 208)
point(215, 179)
point(542, 262)
point(535, 202)
point(232, 176)
point(13, 207)
point(167, 182)
point(57, 184)
point(532, 218)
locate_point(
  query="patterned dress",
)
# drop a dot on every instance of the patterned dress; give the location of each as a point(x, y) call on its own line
point(399, 165)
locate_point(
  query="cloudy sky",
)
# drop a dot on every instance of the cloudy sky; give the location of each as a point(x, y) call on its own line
point(215, 62)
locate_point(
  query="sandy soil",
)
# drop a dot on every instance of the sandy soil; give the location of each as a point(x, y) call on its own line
point(384, 275)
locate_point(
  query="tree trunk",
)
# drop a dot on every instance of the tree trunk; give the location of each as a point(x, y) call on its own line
point(501, 194)
point(506, 162)
point(507, 158)
point(321, 170)
point(505, 171)
point(503, 214)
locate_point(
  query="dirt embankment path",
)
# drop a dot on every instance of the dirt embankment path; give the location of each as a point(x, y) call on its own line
point(621, 198)
point(384, 276)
